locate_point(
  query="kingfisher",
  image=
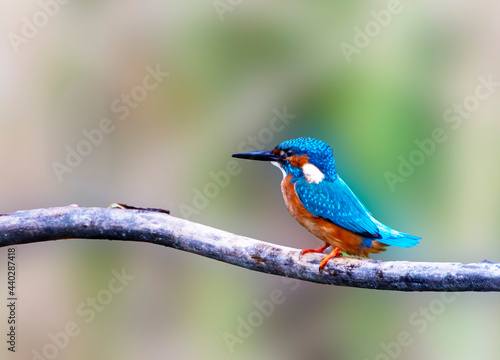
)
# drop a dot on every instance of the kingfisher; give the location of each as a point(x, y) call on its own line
point(322, 202)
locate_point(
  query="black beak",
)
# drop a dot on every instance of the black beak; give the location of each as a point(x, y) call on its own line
point(266, 155)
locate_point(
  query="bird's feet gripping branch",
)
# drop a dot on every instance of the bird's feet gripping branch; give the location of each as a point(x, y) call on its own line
point(322, 202)
point(334, 253)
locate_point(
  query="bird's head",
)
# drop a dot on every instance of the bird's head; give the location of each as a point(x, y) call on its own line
point(302, 157)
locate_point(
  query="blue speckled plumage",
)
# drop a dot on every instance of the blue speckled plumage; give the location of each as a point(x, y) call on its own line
point(320, 155)
point(333, 200)
point(323, 203)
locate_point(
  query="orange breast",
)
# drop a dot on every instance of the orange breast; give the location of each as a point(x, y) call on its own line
point(325, 230)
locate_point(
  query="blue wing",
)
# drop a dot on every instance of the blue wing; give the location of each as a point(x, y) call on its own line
point(335, 201)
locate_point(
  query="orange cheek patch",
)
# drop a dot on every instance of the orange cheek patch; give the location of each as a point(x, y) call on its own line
point(298, 161)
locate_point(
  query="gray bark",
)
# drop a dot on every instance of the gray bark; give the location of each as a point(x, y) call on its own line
point(154, 227)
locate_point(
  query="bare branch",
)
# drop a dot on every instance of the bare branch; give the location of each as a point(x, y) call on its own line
point(154, 227)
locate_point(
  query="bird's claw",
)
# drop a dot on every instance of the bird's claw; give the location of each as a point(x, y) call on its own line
point(319, 250)
point(334, 253)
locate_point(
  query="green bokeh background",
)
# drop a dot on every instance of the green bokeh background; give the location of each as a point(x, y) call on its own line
point(226, 78)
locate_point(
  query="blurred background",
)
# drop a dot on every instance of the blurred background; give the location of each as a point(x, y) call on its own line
point(143, 102)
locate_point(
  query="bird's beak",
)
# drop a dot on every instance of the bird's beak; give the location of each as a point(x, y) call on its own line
point(266, 155)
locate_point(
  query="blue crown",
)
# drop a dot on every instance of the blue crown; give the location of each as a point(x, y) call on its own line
point(320, 155)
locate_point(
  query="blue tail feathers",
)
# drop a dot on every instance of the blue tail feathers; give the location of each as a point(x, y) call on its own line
point(395, 238)
point(405, 240)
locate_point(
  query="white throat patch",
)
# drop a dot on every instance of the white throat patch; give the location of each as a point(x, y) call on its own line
point(312, 173)
point(278, 165)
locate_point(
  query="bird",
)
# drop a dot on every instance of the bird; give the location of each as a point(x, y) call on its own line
point(319, 200)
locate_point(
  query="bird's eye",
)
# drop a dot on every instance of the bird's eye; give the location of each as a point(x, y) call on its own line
point(289, 152)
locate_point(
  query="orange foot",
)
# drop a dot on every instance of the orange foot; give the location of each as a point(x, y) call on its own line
point(327, 258)
point(319, 250)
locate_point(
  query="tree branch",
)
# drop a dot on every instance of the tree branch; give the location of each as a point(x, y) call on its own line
point(155, 227)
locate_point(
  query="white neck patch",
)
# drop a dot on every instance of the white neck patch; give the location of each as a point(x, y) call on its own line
point(278, 165)
point(312, 173)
